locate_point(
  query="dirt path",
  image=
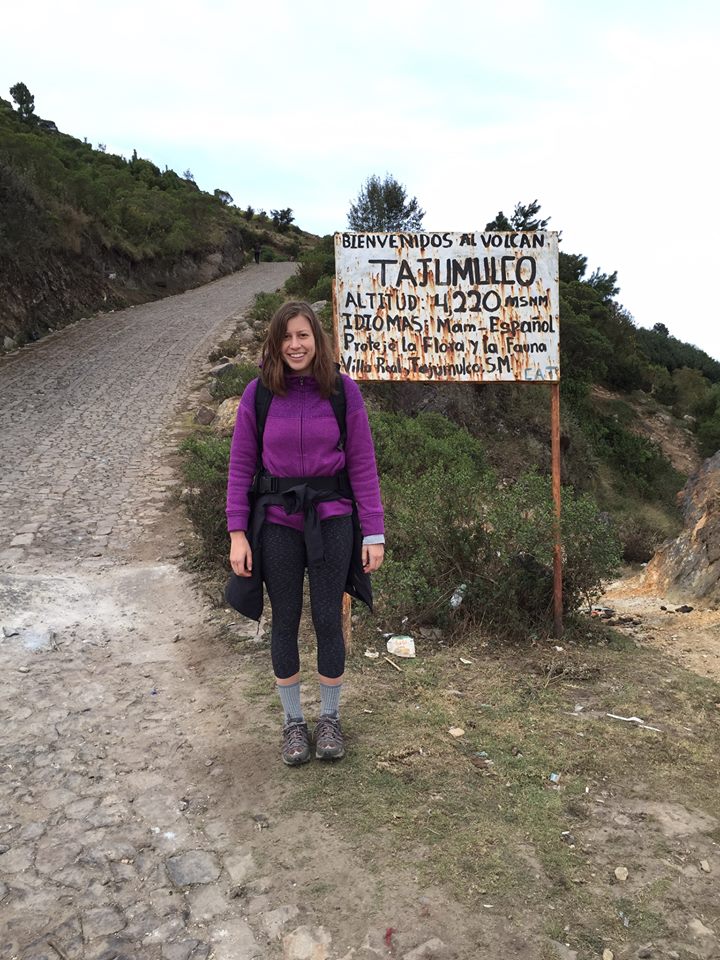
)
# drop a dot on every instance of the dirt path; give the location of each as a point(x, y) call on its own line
point(143, 810)
point(691, 638)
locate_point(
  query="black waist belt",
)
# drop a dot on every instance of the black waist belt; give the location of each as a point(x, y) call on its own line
point(264, 483)
point(299, 495)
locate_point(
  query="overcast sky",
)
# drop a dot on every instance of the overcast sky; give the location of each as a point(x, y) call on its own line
point(604, 111)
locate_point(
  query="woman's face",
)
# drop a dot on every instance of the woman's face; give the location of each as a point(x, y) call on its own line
point(298, 349)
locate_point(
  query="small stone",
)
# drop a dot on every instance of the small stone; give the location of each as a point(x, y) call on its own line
point(179, 951)
point(274, 920)
point(698, 929)
point(608, 955)
point(205, 416)
point(433, 949)
point(206, 903)
point(196, 866)
point(234, 940)
point(169, 928)
point(563, 952)
point(307, 943)
point(16, 860)
point(239, 866)
point(101, 922)
point(705, 866)
point(224, 366)
point(456, 732)
point(22, 540)
point(621, 873)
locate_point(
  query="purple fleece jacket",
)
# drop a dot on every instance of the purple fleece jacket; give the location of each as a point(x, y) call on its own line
point(300, 440)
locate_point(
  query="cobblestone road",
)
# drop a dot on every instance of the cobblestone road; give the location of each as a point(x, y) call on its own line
point(144, 814)
point(84, 414)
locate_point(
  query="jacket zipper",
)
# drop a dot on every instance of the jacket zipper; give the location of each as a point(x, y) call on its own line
point(302, 417)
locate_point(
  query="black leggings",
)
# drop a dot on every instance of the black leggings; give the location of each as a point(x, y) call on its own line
point(283, 568)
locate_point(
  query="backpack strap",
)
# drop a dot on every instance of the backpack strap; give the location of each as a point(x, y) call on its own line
point(263, 399)
point(339, 405)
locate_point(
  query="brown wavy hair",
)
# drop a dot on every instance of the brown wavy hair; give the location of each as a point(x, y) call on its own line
point(274, 368)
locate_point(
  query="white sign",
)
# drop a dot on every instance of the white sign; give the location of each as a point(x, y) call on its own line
point(477, 306)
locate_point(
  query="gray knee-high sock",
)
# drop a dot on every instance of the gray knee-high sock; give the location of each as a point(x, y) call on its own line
point(290, 699)
point(330, 699)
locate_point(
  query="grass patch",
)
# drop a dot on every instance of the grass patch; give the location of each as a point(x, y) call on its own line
point(479, 813)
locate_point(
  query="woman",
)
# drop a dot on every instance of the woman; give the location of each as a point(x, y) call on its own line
point(310, 489)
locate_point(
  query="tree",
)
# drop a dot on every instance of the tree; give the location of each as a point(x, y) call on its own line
point(188, 175)
point(524, 218)
point(25, 101)
point(282, 218)
point(383, 206)
point(661, 329)
point(223, 196)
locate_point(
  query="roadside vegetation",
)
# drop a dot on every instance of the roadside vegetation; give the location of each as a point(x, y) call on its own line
point(489, 764)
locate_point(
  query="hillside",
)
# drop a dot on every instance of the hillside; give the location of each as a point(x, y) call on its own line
point(82, 229)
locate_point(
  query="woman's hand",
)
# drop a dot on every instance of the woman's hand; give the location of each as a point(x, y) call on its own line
point(372, 556)
point(240, 554)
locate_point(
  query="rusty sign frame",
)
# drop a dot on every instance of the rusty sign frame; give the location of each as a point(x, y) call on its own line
point(476, 307)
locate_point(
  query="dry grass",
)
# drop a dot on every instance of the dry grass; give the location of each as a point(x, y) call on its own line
point(479, 814)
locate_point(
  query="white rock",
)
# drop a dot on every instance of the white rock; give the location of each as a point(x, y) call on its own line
point(274, 920)
point(401, 646)
point(698, 929)
point(234, 940)
point(240, 866)
point(621, 873)
point(307, 943)
point(226, 414)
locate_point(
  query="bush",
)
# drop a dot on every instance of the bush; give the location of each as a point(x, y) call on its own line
point(313, 280)
point(226, 348)
point(639, 540)
point(708, 434)
point(232, 382)
point(264, 306)
point(449, 523)
point(205, 467)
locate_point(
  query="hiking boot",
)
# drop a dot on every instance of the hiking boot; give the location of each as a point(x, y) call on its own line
point(329, 744)
point(296, 743)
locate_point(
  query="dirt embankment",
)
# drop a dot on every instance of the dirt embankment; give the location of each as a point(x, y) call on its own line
point(58, 288)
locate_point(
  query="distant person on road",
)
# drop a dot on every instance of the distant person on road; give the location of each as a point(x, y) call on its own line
point(303, 492)
point(257, 250)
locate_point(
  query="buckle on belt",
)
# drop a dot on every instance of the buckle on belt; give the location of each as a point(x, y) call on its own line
point(273, 482)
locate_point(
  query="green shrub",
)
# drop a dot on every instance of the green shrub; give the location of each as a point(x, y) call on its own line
point(264, 306)
point(226, 348)
point(708, 434)
point(313, 279)
point(449, 522)
point(205, 467)
point(232, 382)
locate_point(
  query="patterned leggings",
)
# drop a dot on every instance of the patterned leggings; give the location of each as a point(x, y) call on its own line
point(284, 560)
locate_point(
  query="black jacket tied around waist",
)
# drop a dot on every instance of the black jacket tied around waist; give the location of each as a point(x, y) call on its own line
point(296, 495)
